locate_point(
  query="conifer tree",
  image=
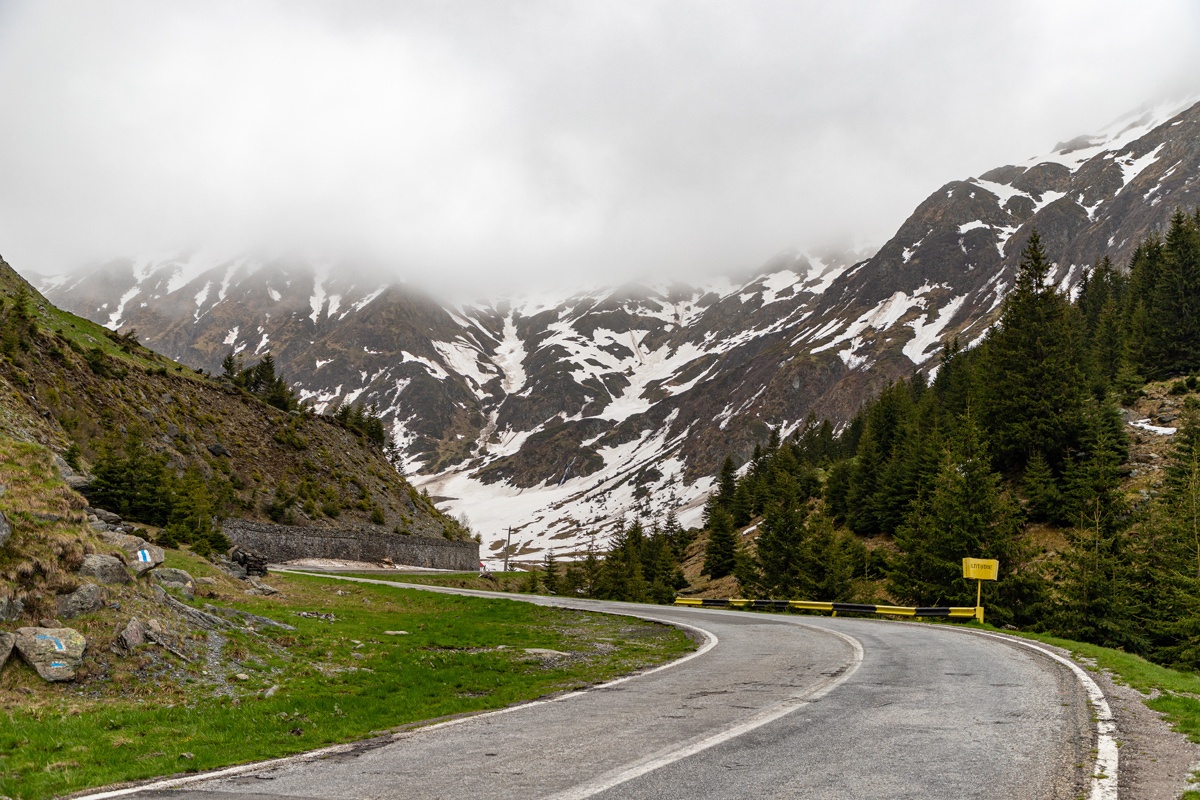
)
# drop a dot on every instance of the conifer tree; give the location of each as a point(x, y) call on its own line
point(1175, 325)
point(1034, 395)
point(965, 515)
point(1041, 490)
point(830, 558)
point(781, 552)
point(721, 553)
point(551, 580)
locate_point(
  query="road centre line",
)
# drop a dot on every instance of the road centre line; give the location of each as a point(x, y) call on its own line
point(675, 753)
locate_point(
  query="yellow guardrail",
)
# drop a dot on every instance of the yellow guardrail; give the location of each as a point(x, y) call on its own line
point(953, 612)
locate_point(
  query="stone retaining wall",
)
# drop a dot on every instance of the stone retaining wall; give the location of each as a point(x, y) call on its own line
point(281, 543)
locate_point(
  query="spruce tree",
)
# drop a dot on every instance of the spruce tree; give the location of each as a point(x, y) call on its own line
point(830, 558)
point(721, 553)
point(966, 514)
point(550, 577)
point(781, 552)
point(1033, 394)
point(1175, 326)
point(1041, 490)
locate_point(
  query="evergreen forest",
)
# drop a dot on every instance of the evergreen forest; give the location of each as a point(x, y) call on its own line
point(1014, 442)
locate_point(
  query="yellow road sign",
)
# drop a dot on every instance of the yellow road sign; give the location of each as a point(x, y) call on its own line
point(981, 569)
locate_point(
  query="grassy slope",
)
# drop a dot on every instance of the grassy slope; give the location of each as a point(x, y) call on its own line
point(339, 681)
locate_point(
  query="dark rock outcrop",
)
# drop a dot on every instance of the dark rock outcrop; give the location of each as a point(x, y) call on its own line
point(105, 569)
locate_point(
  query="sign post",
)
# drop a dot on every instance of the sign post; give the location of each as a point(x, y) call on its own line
point(980, 570)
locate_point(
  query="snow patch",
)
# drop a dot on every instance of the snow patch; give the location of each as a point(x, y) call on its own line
point(926, 333)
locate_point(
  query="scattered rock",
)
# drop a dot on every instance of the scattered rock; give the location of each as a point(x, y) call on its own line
point(171, 578)
point(88, 597)
point(76, 480)
point(253, 619)
point(198, 618)
point(104, 516)
point(172, 430)
point(3, 490)
point(218, 449)
point(55, 653)
point(10, 608)
point(105, 569)
point(7, 640)
point(241, 676)
point(261, 587)
point(47, 622)
point(268, 693)
point(395, 633)
point(5, 529)
point(133, 635)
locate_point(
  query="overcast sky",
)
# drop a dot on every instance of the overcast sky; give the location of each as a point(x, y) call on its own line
point(476, 144)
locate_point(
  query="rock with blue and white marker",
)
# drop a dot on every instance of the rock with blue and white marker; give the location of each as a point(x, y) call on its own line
point(139, 554)
point(54, 653)
point(144, 557)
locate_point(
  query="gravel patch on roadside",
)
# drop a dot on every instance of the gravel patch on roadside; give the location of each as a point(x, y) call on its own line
point(1156, 762)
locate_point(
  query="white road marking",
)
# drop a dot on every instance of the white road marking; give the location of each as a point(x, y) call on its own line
point(677, 752)
point(1104, 775)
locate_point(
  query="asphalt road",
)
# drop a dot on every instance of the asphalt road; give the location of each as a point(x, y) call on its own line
point(773, 706)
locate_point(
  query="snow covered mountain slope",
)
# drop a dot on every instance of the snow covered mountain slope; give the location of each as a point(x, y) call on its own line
point(558, 417)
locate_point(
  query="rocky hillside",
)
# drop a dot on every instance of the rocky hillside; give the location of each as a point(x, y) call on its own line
point(79, 389)
point(558, 416)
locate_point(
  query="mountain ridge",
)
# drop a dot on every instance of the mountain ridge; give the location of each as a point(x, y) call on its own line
point(559, 416)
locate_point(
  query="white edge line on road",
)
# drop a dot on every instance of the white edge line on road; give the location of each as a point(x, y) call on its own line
point(710, 641)
point(1104, 775)
point(675, 753)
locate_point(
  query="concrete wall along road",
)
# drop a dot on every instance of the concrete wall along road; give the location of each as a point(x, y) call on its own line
point(281, 543)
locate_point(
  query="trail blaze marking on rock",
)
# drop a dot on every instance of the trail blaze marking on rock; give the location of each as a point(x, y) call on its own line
point(58, 645)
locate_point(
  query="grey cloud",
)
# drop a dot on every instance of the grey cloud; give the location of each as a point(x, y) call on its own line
point(472, 145)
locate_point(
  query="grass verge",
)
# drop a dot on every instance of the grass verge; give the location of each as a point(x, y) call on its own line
point(510, 582)
point(337, 680)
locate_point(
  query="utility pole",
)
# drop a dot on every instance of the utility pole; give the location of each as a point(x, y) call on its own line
point(507, 547)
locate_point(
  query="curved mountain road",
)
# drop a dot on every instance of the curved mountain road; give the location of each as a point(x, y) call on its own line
point(773, 706)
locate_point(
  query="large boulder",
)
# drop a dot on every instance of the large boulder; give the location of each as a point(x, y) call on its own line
point(54, 653)
point(105, 569)
point(178, 579)
point(7, 640)
point(141, 555)
point(5, 529)
point(88, 597)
